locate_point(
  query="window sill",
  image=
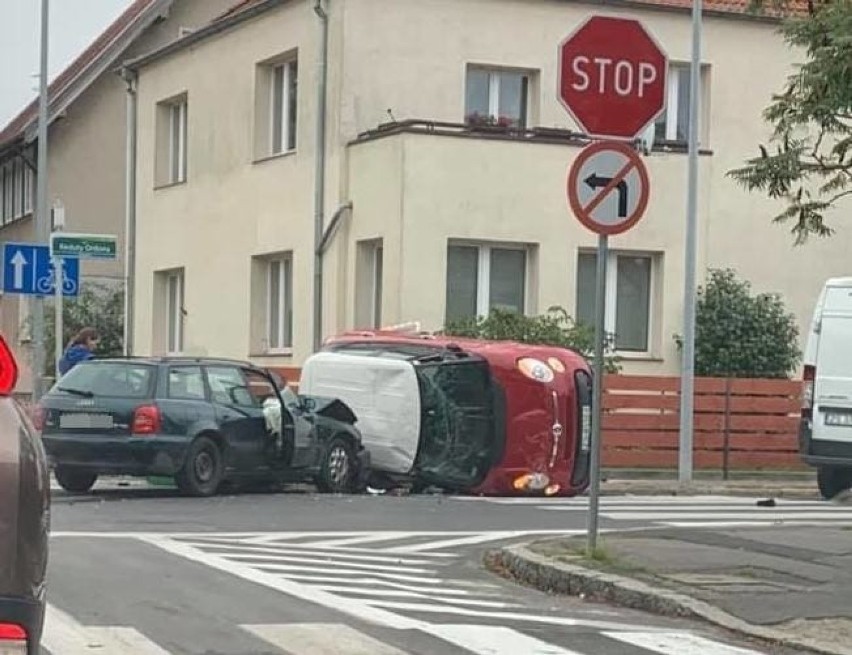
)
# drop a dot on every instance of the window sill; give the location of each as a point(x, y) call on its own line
point(168, 185)
point(280, 155)
point(281, 352)
point(678, 147)
point(638, 357)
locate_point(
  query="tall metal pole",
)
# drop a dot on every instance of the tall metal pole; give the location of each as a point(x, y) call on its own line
point(59, 277)
point(319, 173)
point(42, 219)
point(130, 212)
point(687, 382)
point(597, 397)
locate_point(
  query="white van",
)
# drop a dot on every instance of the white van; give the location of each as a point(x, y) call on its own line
point(825, 435)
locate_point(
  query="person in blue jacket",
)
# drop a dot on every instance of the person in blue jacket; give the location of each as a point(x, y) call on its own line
point(80, 349)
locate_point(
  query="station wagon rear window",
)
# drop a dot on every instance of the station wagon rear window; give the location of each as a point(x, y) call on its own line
point(113, 379)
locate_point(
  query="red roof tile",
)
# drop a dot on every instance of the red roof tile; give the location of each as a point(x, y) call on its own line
point(16, 127)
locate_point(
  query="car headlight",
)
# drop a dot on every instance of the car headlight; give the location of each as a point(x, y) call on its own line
point(535, 369)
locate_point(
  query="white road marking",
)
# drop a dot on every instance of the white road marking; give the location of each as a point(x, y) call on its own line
point(362, 539)
point(325, 569)
point(722, 516)
point(375, 582)
point(356, 608)
point(436, 596)
point(513, 616)
point(453, 543)
point(321, 639)
point(677, 643)
point(352, 566)
point(495, 640)
point(65, 636)
point(310, 550)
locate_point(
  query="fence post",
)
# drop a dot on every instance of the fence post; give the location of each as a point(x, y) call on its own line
point(727, 428)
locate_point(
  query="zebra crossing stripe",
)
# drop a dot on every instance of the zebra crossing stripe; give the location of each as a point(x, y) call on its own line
point(677, 643)
point(495, 640)
point(321, 639)
point(65, 636)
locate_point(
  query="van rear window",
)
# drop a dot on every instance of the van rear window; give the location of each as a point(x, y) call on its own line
point(113, 379)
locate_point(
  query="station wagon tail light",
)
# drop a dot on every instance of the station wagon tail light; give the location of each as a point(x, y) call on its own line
point(146, 420)
point(12, 632)
point(8, 369)
point(808, 391)
point(535, 369)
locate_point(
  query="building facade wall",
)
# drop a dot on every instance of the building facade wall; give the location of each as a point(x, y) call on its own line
point(413, 193)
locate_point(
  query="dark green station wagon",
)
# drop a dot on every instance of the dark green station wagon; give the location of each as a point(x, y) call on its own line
point(202, 421)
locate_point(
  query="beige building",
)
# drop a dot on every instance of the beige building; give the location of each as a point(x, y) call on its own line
point(86, 148)
point(430, 214)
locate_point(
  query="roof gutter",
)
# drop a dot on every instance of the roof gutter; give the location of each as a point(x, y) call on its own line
point(217, 27)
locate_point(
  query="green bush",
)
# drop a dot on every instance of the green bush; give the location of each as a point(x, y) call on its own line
point(741, 335)
point(554, 328)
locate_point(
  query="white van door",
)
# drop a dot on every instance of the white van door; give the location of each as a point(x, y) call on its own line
point(833, 383)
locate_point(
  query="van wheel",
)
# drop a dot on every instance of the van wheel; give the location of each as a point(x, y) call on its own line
point(203, 470)
point(74, 480)
point(338, 469)
point(833, 480)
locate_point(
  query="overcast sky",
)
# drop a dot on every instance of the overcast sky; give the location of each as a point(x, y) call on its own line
point(74, 24)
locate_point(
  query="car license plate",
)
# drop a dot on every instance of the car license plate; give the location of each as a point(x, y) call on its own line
point(585, 428)
point(86, 421)
point(839, 419)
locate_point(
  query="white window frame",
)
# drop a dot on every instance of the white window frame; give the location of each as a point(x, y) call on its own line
point(177, 141)
point(174, 314)
point(673, 100)
point(494, 90)
point(610, 319)
point(287, 70)
point(377, 266)
point(483, 272)
point(280, 343)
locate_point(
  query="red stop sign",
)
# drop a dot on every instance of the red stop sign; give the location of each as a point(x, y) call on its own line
point(612, 77)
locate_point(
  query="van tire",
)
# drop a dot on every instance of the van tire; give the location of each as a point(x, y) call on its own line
point(203, 470)
point(74, 480)
point(833, 480)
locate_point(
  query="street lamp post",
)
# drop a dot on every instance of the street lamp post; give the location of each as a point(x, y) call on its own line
point(42, 220)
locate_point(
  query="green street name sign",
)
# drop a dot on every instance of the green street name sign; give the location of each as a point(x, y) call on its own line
point(83, 246)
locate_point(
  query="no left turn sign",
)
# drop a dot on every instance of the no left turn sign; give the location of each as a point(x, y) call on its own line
point(608, 187)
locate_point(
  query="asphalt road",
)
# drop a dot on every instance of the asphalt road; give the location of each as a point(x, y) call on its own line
point(146, 572)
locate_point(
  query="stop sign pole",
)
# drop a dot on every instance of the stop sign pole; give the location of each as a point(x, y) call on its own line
point(612, 81)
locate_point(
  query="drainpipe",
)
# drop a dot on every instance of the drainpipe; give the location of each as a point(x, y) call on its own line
point(319, 177)
point(130, 78)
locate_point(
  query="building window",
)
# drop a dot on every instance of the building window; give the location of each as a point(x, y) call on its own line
point(629, 293)
point(16, 188)
point(172, 127)
point(496, 97)
point(177, 142)
point(174, 312)
point(276, 106)
point(369, 281)
point(272, 302)
point(673, 123)
point(485, 277)
point(284, 95)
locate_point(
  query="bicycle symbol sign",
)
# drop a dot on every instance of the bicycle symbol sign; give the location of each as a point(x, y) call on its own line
point(28, 269)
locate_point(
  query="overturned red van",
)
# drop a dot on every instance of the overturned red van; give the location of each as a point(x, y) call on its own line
point(541, 418)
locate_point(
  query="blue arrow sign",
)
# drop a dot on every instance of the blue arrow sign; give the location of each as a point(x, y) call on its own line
point(28, 269)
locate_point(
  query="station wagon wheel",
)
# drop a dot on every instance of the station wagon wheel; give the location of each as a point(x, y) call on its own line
point(337, 471)
point(203, 469)
point(75, 480)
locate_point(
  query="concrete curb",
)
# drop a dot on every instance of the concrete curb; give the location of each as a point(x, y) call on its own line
point(552, 576)
point(636, 488)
